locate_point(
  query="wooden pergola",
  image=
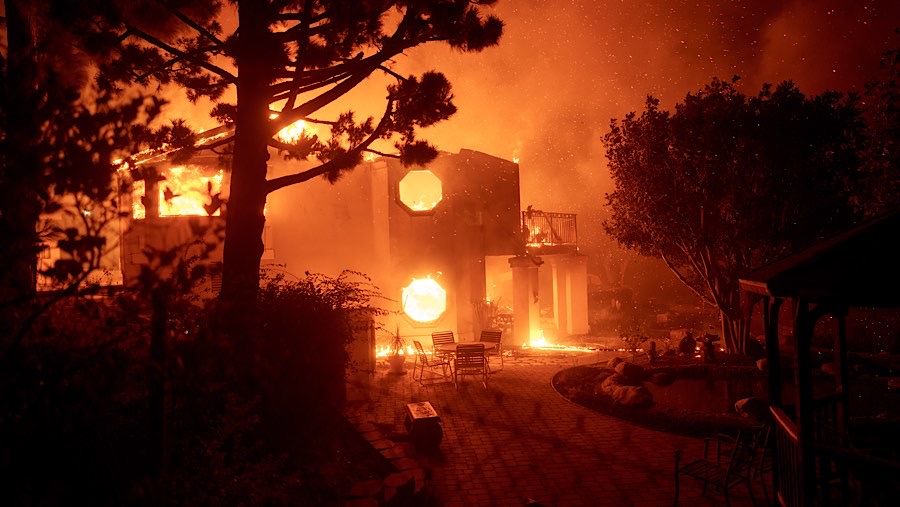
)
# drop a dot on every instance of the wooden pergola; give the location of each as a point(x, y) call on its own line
point(860, 268)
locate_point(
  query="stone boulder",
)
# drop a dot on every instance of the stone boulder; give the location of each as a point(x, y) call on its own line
point(662, 379)
point(618, 379)
point(752, 407)
point(632, 371)
point(614, 362)
point(633, 396)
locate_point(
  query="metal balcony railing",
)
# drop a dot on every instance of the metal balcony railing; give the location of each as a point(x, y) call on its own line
point(543, 229)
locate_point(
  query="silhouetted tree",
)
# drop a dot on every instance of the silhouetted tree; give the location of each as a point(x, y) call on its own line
point(282, 62)
point(727, 183)
point(53, 145)
point(880, 179)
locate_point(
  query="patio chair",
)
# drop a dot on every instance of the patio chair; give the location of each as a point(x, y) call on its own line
point(422, 365)
point(439, 338)
point(762, 457)
point(728, 465)
point(470, 360)
point(493, 336)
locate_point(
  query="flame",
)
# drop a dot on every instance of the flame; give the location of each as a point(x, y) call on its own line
point(369, 157)
point(188, 189)
point(295, 131)
point(424, 300)
point(538, 339)
point(515, 160)
point(385, 351)
point(539, 237)
point(137, 208)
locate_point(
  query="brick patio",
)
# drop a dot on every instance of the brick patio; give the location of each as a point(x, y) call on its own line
point(519, 441)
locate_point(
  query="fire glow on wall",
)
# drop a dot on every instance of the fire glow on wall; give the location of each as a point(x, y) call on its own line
point(420, 191)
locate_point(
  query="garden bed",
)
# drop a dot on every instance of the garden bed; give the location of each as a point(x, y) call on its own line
point(579, 385)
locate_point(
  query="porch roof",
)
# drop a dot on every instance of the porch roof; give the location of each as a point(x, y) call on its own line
point(860, 267)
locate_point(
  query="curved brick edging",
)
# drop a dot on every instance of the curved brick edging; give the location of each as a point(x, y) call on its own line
point(405, 486)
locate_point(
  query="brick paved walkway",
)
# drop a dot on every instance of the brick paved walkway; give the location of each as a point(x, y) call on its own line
point(519, 440)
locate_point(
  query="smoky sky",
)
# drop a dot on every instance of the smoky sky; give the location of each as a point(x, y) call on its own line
point(563, 69)
point(546, 94)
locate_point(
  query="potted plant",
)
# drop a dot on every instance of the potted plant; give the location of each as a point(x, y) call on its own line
point(397, 352)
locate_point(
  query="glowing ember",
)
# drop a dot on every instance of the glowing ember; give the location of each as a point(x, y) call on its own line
point(424, 300)
point(184, 191)
point(420, 190)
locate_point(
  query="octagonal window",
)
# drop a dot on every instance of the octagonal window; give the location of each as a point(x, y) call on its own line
point(420, 191)
point(424, 300)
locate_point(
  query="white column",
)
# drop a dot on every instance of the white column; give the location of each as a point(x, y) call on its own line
point(576, 295)
point(526, 311)
point(561, 294)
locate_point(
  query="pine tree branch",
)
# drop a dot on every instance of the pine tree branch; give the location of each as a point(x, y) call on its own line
point(291, 179)
point(295, 90)
point(347, 66)
point(332, 94)
point(382, 154)
point(191, 23)
point(225, 75)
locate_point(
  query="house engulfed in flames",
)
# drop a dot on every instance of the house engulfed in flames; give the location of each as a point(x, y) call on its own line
point(447, 244)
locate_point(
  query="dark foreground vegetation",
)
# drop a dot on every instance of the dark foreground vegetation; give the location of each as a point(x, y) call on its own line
point(90, 418)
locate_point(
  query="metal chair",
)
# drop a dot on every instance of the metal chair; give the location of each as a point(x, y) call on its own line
point(493, 336)
point(441, 338)
point(730, 465)
point(423, 364)
point(470, 360)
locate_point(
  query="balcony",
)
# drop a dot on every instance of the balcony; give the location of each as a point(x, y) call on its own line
point(546, 232)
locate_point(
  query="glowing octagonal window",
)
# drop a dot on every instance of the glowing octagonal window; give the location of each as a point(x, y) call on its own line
point(420, 191)
point(424, 300)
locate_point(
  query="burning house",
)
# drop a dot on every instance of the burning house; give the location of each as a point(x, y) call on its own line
point(447, 244)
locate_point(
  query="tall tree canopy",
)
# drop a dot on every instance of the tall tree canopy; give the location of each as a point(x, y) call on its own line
point(281, 62)
point(727, 183)
point(880, 178)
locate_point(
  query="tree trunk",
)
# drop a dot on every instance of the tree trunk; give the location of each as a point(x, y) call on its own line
point(247, 196)
point(20, 204)
point(736, 332)
point(157, 381)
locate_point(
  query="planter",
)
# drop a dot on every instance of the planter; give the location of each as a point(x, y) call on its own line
point(396, 364)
